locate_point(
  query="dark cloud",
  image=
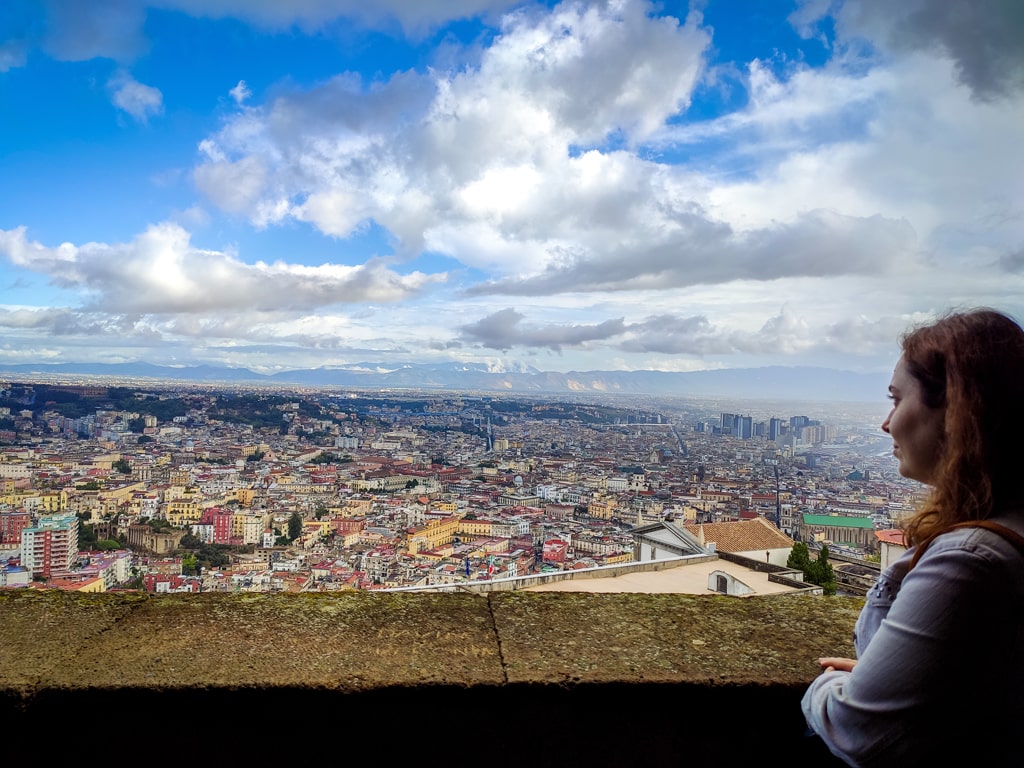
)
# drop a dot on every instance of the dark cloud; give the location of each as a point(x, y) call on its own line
point(673, 335)
point(983, 38)
point(502, 331)
point(701, 252)
point(1014, 261)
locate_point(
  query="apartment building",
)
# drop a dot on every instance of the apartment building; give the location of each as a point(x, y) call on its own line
point(52, 545)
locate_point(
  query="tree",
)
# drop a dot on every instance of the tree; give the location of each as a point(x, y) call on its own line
point(123, 466)
point(822, 573)
point(294, 526)
point(817, 571)
point(799, 558)
point(189, 564)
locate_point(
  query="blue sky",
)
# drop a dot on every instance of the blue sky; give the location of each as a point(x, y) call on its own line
point(567, 186)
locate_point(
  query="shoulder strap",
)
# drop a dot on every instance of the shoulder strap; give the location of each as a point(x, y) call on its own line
point(1007, 533)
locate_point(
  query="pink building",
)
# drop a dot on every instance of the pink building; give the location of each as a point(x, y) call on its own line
point(555, 551)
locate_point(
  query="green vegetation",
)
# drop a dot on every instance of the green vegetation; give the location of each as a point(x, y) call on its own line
point(196, 555)
point(818, 571)
point(294, 526)
point(86, 532)
point(73, 404)
point(330, 458)
point(123, 466)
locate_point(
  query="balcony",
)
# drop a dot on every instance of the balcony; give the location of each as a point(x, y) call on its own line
point(502, 678)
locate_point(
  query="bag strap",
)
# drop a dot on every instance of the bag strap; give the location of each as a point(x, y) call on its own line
point(1007, 533)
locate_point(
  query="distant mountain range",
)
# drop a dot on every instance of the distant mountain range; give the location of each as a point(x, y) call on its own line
point(769, 383)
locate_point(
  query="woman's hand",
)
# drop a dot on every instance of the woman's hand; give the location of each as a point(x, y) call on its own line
point(831, 663)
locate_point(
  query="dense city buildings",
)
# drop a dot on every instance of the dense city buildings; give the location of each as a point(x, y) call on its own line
point(173, 488)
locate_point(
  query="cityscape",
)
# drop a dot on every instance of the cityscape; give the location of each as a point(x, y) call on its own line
point(173, 487)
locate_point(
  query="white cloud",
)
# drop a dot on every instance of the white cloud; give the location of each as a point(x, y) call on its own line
point(161, 272)
point(434, 161)
point(240, 93)
point(557, 163)
point(138, 100)
point(234, 187)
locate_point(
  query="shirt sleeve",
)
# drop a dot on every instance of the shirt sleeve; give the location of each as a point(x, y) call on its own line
point(929, 653)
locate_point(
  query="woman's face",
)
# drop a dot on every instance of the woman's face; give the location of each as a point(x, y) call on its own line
point(916, 428)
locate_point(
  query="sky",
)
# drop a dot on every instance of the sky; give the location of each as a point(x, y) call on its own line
point(567, 186)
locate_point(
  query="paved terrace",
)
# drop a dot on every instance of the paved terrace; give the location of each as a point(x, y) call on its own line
point(503, 678)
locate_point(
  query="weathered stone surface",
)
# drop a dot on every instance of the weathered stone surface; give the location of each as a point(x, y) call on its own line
point(358, 640)
point(576, 637)
point(351, 640)
point(42, 632)
point(545, 679)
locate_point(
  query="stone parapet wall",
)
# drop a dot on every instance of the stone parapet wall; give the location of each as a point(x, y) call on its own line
point(506, 678)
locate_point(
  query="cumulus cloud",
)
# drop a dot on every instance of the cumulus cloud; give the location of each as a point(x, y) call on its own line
point(558, 158)
point(233, 186)
point(487, 164)
point(431, 157)
point(138, 100)
point(161, 272)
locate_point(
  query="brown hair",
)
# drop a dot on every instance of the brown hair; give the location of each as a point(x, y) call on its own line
point(972, 364)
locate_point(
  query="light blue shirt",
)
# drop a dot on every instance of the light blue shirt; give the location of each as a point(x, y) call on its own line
point(940, 669)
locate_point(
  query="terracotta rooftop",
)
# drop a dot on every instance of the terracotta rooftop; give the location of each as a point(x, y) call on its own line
point(742, 536)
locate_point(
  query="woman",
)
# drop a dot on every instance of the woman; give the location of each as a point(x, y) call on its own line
point(940, 640)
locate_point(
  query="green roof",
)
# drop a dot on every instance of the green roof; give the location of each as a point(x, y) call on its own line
point(839, 520)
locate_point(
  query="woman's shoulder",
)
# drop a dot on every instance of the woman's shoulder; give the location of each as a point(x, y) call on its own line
point(999, 540)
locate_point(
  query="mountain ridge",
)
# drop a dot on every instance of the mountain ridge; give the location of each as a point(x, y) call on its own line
point(769, 382)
